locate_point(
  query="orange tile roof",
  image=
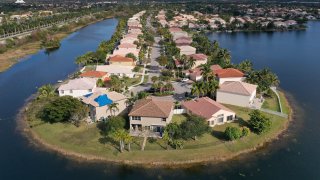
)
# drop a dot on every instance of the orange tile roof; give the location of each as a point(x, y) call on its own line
point(229, 72)
point(204, 107)
point(152, 107)
point(93, 74)
point(118, 58)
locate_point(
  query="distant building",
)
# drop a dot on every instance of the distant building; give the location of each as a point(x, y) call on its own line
point(20, 2)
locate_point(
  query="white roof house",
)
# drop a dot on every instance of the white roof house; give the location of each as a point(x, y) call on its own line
point(78, 87)
point(236, 93)
point(99, 102)
point(187, 50)
point(117, 70)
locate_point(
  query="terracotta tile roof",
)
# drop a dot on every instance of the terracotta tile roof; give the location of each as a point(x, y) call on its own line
point(152, 107)
point(229, 72)
point(198, 57)
point(237, 87)
point(127, 45)
point(118, 58)
point(174, 29)
point(215, 67)
point(204, 107)
point(197, 71)
point(184, 38)
point(93, 74)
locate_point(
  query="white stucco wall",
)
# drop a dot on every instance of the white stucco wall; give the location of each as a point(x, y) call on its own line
point(234, 99)
point(149, 121)
point(225, 115)
point(75, 93)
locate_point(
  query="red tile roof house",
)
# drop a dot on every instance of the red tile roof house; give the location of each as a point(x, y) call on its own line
point(199, 59)
point(229, 74)
point(196, 74)
point(126, 48)
point(94, 74)
point(150, 114)
point(237, 93)
point(121, 61)
point(213, 112)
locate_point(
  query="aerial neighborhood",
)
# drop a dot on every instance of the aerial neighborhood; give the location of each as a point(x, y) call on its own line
point(161, 79)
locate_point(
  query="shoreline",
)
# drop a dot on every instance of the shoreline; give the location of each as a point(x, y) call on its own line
point(35, 140)
point(16, 55)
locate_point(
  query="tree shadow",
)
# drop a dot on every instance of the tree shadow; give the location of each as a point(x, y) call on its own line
point(106, 140)
point(242, 122)
point(218, 134)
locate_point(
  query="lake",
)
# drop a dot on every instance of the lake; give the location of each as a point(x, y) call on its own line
point(294, 56)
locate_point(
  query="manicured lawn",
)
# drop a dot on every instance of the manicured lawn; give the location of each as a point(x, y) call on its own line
point(133, 81)
point(87, 140)
point(284, 103)
point(178, 118)
point(271, 103)
point(146, 78)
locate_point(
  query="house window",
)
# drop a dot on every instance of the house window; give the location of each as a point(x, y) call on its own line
point(137, 118)
point(164, 119)
point(220, 118)
point(90, 90)
point(229, 118)
point(62, 91)
point(71, 91)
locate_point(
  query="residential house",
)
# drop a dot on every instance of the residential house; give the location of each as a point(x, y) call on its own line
point(121, 61)
point(151, 114)
point(187, 50)
point(99, 102)
point(229, 74)
point(117, 70)
point(213, 112)
point(236, 93)
point(126, 48)
point(199, 59)
point(196, 73)
point(95, 74)
point(78, 87)
point(177, 35)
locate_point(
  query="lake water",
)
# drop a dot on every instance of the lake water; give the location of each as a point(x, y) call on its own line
point(294, 56)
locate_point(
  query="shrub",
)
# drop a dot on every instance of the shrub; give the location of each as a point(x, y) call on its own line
point(258, 122)
point(232, 133)
point(63, 109)
point(136, 69)
point(245, 131)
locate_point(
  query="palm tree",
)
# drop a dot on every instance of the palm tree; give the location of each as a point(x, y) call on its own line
point(206, 71)
point(191, 63)
point(120, 135)
point(225, 56)
point(128, 140)
point(113, 107)
point(46, 91)
point(213, 85)
point(195, 90)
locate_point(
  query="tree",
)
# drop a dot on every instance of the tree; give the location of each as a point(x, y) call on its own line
point(154, 79)
point(163, 60)
point(46, 91)
point(232, 133)
point(166, 138)
point(131, 55)
point(206, 71)
point(259, 122)
point(100, 83)
point(113, 107)
point(245, 66)
point(193, 127)
point(128, 140)
point(120, 135)
point(112, 124)
point(62, 109)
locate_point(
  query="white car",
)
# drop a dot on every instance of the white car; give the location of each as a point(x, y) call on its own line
point(185, 80)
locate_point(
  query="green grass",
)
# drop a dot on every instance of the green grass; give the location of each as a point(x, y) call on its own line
point(271, 103)
point(133, 81)
point(87, 140)
point(178, 118)
point(284, 103)
point(146, 78)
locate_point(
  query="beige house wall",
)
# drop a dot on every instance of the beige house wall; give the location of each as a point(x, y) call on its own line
point(121, 63)
point(149, 121)
point(213, 121)
point(97, 113)
point(234, 99)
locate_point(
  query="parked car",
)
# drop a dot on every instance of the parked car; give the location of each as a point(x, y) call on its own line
point(185, 80)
